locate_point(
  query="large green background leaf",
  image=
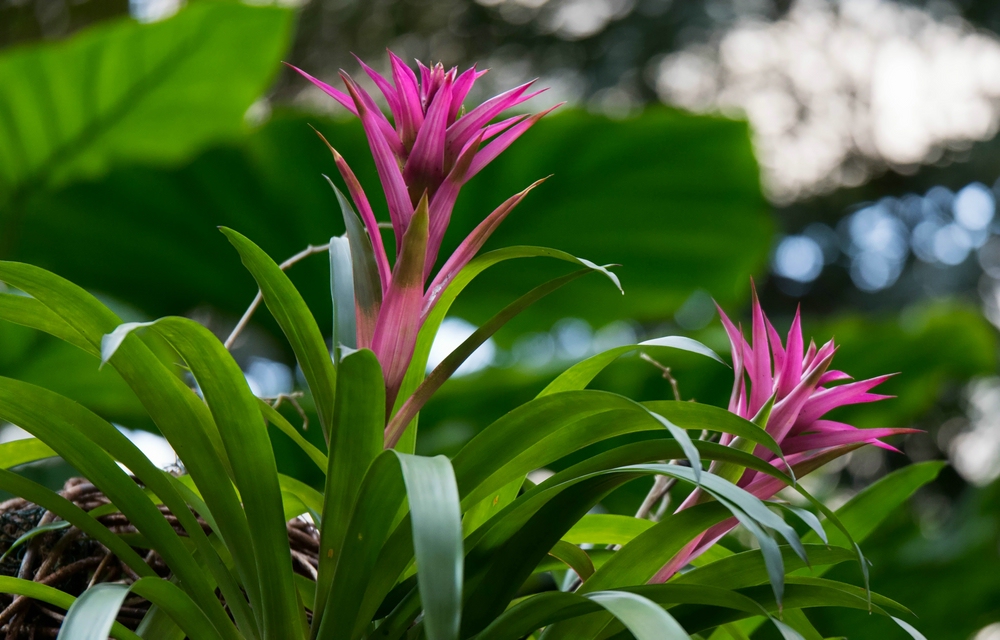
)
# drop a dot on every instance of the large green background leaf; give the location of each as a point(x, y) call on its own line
point(673, 198)
point(131, 92)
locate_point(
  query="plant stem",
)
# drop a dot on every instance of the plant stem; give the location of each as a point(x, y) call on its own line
point(298, 257)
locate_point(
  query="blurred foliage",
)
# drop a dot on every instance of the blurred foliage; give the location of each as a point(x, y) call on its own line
point(945, 568)
point(125, 92)
point(695, 214)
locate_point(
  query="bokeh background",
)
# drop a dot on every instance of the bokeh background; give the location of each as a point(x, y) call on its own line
point(843, 154)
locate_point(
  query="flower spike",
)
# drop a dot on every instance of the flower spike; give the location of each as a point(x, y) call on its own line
point(423, 158)
point(799, 383)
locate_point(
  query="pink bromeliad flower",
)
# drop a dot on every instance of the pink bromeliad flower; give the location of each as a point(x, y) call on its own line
point(800, 380)
point(423, 157)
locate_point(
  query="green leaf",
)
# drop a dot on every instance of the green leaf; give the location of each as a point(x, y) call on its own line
point(157, 625)
point(787, 631)
point(646, 620)
point(442, 302)
point(31, 533)
point(244, 434)
point(126, 91)
point(862, 514)
point(639, 560)
point(358, 419)
point(56, 598)
point(573, 557)
point(311, 499)
point(93, 614)
point(23, 451)
point(345, 332)
point(298, 323)
point(186, 613)
point(579, 375)
point(908, 628)
point(82, 438)
point(507, 552)
point(809, 518)
point(488, 507)
point(551, 607)
point(110, 342)
point(606, 528)
point(312, 452)
point(398, 423)
point(29, 312)
point(798, 622)
point(548, 428)
point(681, 436)
point(367, 289)
point(180, 415)
point(747, 568)
point(434, 533)
point(437, 541)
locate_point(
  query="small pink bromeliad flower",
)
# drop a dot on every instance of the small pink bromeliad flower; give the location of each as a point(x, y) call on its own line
point(423, 157)
point(800, 381)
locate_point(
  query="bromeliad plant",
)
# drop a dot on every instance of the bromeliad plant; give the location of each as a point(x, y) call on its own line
point(418, 547)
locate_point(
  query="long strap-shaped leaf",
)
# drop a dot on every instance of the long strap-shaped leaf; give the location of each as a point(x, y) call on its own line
point(296, 321)
point(56, 598)
point(312, 452)
point(367, 286)
point(502, 570)
point(93, 614)
point(634, 563)
point(548, 428)
point(82, 439)
point(606, 528)
point(438, 302)
point(248, 446)
point(437, 541)
point(436, 525)
point(510, 520)
point(579, 375)
point(860, 516)
point(52, 501)
point(644, 618)
point(32, 313)
point(543, 609)
point(698, 618)
point(180, 415)
point(23, 451)
point(650, 549)
point(409, 410)
point(358, 418)
point(345, 330)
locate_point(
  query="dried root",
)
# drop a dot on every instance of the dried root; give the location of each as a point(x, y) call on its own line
point(70, 561)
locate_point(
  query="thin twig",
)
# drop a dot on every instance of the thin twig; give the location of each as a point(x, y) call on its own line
point(298, 257)
point(662, 509)
point(662, 485)
point(666, 374)
point(293, 399)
